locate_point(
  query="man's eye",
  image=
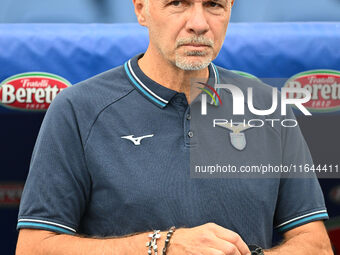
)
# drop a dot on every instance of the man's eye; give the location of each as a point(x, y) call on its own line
point(213, 4)
point(175, 3)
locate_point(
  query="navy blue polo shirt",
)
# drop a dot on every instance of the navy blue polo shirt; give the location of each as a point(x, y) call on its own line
point(113, 154)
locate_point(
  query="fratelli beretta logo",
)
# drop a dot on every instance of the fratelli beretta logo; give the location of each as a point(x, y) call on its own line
point(31, 91)
point(324, 86)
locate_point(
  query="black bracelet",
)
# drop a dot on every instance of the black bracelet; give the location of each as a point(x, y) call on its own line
point(167, 240)
point(255, 249)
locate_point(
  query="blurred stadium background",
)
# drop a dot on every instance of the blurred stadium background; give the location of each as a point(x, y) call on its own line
point(113, 11)
point(121, 11)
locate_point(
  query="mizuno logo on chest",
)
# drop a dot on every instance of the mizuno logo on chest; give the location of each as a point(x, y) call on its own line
point(136, 140)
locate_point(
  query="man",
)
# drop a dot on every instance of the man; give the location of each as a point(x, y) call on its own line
point(111, 162)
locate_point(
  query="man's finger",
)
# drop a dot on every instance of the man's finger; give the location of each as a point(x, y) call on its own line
point(227, 247)
point(213, 251)
point(233, 238)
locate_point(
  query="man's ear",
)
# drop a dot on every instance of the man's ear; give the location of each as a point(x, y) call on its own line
point(140, 10)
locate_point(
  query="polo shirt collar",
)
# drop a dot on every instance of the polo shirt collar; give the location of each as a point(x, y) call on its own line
point(153, 91)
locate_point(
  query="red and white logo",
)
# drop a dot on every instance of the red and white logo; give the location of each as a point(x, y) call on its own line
point(324, 86)
point(334, 195)
point(31, 91)
point(10, 194)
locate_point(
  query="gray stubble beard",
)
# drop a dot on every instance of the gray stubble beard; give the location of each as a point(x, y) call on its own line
point(185, 64)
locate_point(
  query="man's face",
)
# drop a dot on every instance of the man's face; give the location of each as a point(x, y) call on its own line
point(188, 33)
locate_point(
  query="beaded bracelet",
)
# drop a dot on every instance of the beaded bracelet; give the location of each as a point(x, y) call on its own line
point(167, 240)
point(153, 243)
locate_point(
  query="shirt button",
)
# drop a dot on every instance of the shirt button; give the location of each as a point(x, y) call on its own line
point(178, 100)
point(191, 134)
point(188, 117)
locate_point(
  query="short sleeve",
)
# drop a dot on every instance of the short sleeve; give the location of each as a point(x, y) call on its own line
point(57, 186)
point(300, 200)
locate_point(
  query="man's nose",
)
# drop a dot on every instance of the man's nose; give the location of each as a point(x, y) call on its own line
point(197, 21)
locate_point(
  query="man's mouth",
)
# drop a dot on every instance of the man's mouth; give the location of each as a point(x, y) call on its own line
point(195, 45)
point(198, 43)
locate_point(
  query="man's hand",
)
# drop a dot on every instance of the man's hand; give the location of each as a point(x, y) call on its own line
point(208, 239)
